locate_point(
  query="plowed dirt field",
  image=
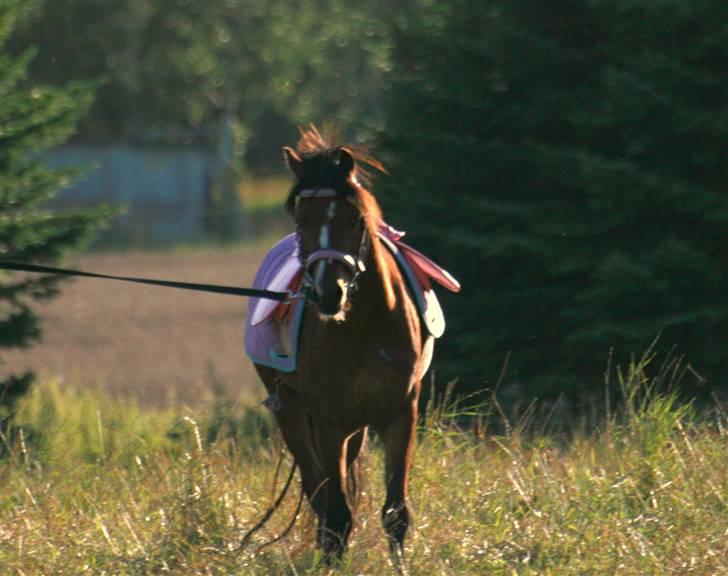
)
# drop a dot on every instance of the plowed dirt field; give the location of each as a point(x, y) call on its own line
point(158, 344)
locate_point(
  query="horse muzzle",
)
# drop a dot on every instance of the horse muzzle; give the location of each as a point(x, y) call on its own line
point(332, 276)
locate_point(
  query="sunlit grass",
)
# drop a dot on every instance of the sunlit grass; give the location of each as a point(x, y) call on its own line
point(97, 487)
point(264, 192)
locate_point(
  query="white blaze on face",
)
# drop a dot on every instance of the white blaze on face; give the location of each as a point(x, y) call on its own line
point(324, 240)
point(324, 237)
point(324, 234)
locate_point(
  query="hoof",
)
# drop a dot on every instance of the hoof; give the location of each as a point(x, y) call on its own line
point(396, 557)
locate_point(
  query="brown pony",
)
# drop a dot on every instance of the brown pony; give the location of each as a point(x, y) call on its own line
point(362, 347)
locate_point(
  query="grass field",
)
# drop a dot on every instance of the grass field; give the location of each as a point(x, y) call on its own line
point(98, 486)
point(264, 193)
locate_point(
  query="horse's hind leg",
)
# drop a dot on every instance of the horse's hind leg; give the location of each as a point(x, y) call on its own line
point(398, 439)
point(333, 509)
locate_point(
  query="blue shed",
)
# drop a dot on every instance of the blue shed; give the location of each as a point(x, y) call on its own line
point(165, 190)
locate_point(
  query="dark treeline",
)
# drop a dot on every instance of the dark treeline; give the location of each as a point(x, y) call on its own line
point(568, 162)
point(565, 160)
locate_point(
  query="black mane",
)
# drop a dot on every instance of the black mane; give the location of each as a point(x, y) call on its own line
point(324, 170)
point(327, 164)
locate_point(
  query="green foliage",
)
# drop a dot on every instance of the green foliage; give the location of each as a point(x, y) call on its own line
point(568, 164)
point(174, 68)
point(32, 119)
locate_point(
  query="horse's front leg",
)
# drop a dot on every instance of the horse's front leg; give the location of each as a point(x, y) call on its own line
point(294, 425)
point(398, 438)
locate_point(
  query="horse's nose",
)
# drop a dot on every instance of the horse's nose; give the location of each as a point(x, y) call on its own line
point(331, 296)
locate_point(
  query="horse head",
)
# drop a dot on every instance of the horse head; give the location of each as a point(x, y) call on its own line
point(332, 230)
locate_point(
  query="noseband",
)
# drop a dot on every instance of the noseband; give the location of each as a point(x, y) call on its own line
point(354, 265)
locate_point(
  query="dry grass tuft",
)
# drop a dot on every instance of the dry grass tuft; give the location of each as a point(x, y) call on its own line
point(97, 487)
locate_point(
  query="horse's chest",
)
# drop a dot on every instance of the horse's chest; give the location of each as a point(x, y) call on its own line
point(356, 375)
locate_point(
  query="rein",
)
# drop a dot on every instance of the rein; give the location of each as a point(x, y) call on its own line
point(213, 288)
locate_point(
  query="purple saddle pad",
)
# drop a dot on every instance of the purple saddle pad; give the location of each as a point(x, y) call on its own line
point(271, 337)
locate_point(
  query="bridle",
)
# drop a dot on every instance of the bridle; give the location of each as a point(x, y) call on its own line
point(355, 265)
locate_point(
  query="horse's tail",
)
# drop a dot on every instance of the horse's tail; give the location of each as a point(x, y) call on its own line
point(356, 478)
point(271, 510)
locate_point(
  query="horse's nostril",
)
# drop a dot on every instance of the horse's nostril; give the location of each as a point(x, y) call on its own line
point(328, 309)
point(331, 298)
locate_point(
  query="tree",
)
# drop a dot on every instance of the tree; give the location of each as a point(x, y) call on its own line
point(568, 163)
point(32, 118)
point(179, 68)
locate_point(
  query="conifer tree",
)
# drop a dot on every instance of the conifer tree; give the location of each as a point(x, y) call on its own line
point(32, 119)
point(568, 163)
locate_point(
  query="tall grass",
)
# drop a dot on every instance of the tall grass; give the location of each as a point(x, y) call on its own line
point(92, 486)
point(261, 193)
point(262, 198)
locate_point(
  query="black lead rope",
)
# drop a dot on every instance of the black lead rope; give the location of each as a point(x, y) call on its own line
point(230, 290)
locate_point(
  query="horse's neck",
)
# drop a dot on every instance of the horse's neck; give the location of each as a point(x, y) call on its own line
point(370, 321)
point(398, 328)
point(381, 282)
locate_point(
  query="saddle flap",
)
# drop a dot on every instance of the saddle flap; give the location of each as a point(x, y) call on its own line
point(420, 289)
point(278, 272)
point(429, 268)
point(283, 280)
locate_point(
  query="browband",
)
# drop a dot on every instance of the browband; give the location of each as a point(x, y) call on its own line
point(317, 193)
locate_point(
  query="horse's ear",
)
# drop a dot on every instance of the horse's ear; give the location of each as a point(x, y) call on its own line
point(345, 160)
point(293, 161)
